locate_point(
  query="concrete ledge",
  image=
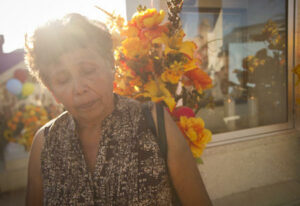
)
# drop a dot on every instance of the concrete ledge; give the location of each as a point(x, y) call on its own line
point(280, 194)
point(13, 198)
point(234, 168)
point(15, 177)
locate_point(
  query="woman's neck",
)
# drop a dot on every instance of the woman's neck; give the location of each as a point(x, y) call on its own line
point(92, 124)
point(84, 124)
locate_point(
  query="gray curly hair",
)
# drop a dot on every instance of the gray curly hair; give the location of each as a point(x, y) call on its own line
point(49, 42)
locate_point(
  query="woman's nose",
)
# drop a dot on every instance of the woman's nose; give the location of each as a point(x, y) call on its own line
point(79, 86)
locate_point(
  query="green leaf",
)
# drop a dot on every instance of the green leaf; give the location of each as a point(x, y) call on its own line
point(199, 160)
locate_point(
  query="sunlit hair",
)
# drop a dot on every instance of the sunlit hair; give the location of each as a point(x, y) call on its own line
point(49, 42)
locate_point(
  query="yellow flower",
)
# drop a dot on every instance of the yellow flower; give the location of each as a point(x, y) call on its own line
point(195, 133)
point(148, 18)
point(174, 73)
point(196, 151)
point(157, 91)
point(175, 43)
point(135, 48)
point(190, 65)
point(172, 76)
point(130, 31)
point(176, 70)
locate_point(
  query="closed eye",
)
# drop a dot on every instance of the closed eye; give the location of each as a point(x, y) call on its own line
point(62, 79)
point(88, 70)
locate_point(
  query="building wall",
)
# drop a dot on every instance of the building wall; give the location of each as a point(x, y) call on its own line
point(238, 167)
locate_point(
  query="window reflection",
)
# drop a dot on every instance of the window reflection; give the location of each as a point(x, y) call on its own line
point(242, 46)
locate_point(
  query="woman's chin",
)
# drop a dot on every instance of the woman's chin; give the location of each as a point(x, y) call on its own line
point(93, 113)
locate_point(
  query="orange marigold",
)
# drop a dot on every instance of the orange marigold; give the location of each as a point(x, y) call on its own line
point(195, 133)
point(199, 78)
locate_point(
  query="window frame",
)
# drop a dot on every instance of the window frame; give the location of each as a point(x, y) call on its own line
point(274, 129)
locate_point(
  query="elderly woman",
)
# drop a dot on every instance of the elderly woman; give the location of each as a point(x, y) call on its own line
point(101, 151)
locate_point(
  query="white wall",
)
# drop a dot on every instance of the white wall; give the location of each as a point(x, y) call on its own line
point(238, 167)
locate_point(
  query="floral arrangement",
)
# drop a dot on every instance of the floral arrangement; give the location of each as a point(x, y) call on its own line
point(154, 62)
point(276, 43)
point(22, 126)
point(21, 111)
point(263, 64)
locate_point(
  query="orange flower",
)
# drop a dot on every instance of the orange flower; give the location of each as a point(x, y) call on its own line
point(195, 133)
point(153, 33)
point(15, 119)
point(147, 19)
point(31, 119)
point(200, 79)
point(126, 81)
point(12, 126)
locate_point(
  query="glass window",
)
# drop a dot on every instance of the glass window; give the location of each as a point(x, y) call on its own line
point(242, 46)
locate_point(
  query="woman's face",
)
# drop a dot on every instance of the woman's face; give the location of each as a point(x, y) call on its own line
point(83, 83)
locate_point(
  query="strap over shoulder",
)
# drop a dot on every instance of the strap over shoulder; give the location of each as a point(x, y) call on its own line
point(146, 108)
point(161, 130)
point(161, 136)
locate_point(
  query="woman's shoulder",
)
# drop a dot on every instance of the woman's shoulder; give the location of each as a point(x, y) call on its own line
point(55, 122)
point(123, 101)
point(127, 103)
point(42, 132)
point(55, 129)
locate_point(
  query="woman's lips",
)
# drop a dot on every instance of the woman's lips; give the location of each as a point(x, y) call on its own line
point(87, 105)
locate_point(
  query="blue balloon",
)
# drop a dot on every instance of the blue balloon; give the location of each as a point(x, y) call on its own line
point(14, 86)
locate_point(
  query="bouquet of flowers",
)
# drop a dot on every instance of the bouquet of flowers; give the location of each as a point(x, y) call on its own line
point(153, 62)
point(21, 109)
point(24, 123)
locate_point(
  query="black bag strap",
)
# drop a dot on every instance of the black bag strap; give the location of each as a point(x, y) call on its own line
point(161, 138)
point(149, 119)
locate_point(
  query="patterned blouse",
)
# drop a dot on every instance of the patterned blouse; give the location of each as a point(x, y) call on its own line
point(129, 168)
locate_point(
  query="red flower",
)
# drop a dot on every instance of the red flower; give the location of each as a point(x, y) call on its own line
point(182, 111)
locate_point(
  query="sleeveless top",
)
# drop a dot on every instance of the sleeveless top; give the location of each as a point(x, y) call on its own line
point(129, 170)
